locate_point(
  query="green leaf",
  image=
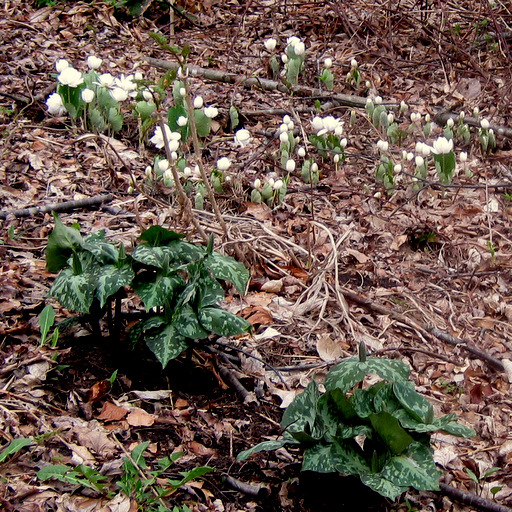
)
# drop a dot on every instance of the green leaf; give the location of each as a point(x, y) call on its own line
point(74, 292)
point(222, 322)
point(158, 291)
point(415, 468)
point(145, 109)
point(111, 279)
point(415, 404)
point(209, 290)
point(157, 235)
point(301, 413)
point(173, 115)
point(166, 343)
point(362, 402)
point(203, 123)
point(96, 120)
point(347, 458)
point(56, 471)
point(350, 372)
point(228, 269)
point(187, 323)
point(14, 447)
point(318, 458)
point(115, 118)
point(390, 431)
point(233, 117)
point(46, 320)
point(103, 251)
point(138, 454)
point(265, 447)
point(62, 241)
point(191, 475)
point(383, 486)
point(456, 429)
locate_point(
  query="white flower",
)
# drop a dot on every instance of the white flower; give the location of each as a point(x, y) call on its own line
point(168, 175)
point(463, 156)
point(410, 156)
point(423, 149)
point(158, 139)
point(174, 155)
point(119, 94)
point(338, 130)
point(462, 115)
point(403, 106)
point(183, 91)
point(301, 152)
point(242, 137)
point(286, 119)
point(484, 123)
point(419, 161)
point(70, 77)
point(336, 158)
point(378, 100)
point(278, 184)
point(284, 58)
point(55, 105)
point(149, 171)
point(182, 121)
point(271, 182)
point(283, 137)
point(211, 112)
point(147, 95)
point(383, 145)
point(292, 41)
point(196, 172)
point(353, 63)
point(187, 172)
point(343, 143)
point(404, 154)
point(391, 118)
point(476, 111)
point(327, 63)
point(427, 118)
point(88, 95)
point(163, 164)
point(442, 146)
point(291, 125)
point(270, 44)
point(450, 122)
point(106, 80)
point(283, 128)
point(198, 102)
point(314, 167)
point(94, 62)
point(61, 65)
point(126, 83)
point(397, 168)
point(223, 164)
point(138, 76)
point(299, 49)
point(290, 165)
point(257, 183)
point(415, 116)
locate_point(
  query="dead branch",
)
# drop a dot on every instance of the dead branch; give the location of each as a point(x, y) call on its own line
point(259, 490)
point(442, 117)
point(472, 499)
point(424, 329)
point(58, 207)
point(263, 83)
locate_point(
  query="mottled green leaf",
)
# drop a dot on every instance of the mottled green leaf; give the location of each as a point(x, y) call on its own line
point(347, 458)
point(265, 446)
point(105, 252)
point(74, 292)
point(159, 291)
point(166, 343)
point(383, 486)
point(415, 468)
point(318, 458)
point(209, 290)
point(187, 323)
point(111, 279)
point(228, 269)
point(415, 404)
point(362, 401)
point(302, 411)
point(157, 235)
point(222, 322)
point(453, 427)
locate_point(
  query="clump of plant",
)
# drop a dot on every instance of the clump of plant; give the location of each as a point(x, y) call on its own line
point(177, 281)
point(148, 488)
point(378, 432)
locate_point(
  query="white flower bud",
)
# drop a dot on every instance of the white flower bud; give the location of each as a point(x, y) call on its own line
point(182, 121)
point(198, 102)
point(484, 123)
point(223, 163)
point(183, 91)
point(290, 165)
point(450, 122)
point(174, 155)
point(383, 145)
point(257, 183)
point(378, 100)
point(463, 156)
point(271, 182)
point(391, 118)
point(119, 94)
point(301, 152)
point(397, 168)
point(211, 112)
point(270, 44)
point(419, 161)
point(163, 164)
point(243, 137)
point(286, 119)
point(343, 143)
point(283, 137)
point(61, 65)
point(87, 95)
point(284, 58)
point(476, 111)
point(138, 76)
point(94, 62)
point(462, 115)
point(278, 185)
point(336, 158)
point(327, 63)
point(314, 167)
point(410, 156)
point(148, 171)
point(290, 125)
point(299, 49)
point(353, 63)
point(427, 118)
point(187, 172)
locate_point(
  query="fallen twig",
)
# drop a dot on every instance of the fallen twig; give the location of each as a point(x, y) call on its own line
point(259, 490)
point(264, 83)
point(424, 329)
point(58, 207)
point(472, 499)
point(442, 117)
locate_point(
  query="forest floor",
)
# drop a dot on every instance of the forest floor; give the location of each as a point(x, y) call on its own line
point(418, 275)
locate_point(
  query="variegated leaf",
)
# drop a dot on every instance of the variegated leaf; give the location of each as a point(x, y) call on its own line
point(415, 468)
point(74, 292)
point(383, 486)
point(159, 292)
point(111, 279)
point(415, 404)
point(265, 446)
point(390, 431)
point(187, 323)
point(318, 458)
point(301, 413)
point(347, 459)
point(228, 269)
point(166, 343)
point(222, 322)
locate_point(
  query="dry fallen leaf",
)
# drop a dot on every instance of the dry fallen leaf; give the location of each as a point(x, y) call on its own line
point(327, 348)
point(140, 418)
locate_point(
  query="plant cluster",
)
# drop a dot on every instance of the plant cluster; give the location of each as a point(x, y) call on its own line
point(177, 281)
point(379, 432)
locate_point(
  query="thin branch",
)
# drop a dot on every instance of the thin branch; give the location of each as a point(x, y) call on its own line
point(259, 490)
point(263, 83)
point(58, 207)
point(472, 499)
